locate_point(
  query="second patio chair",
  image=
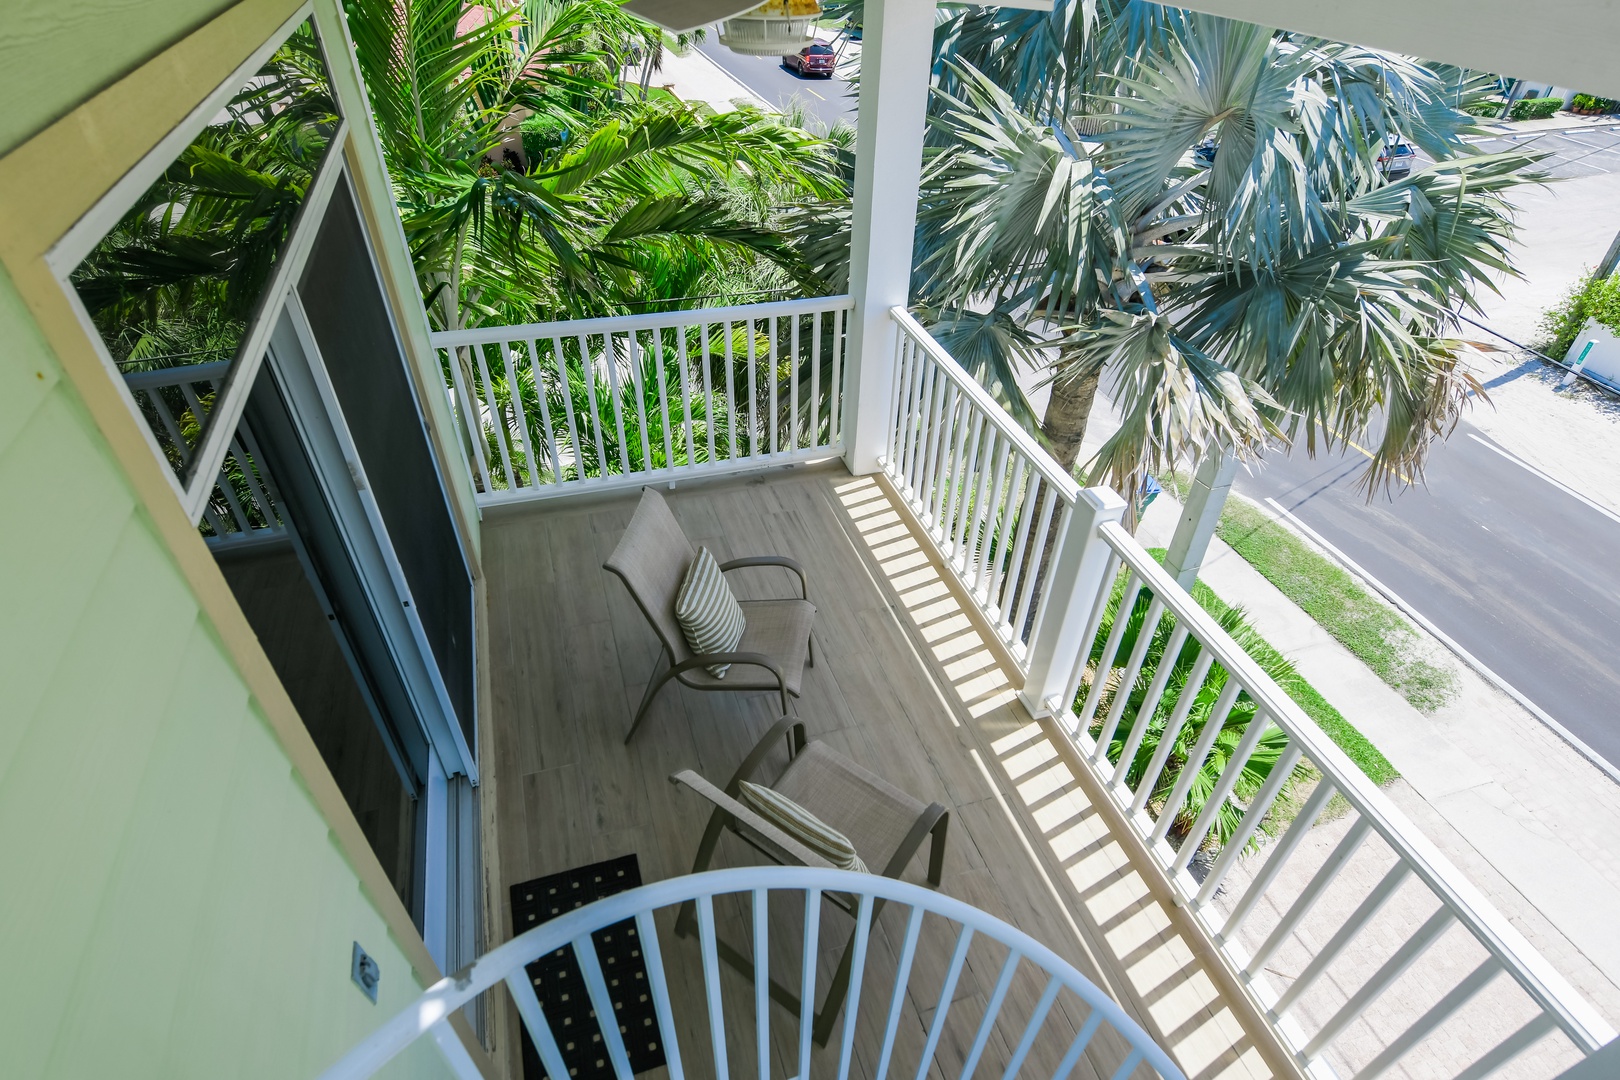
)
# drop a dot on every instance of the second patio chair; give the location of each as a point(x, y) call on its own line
point(882, 826)
point(652, 559)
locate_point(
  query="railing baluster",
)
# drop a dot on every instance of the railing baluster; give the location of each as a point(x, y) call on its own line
point(1195, 760)
point(1127, 680)
point(455, 1054)
point(1259, 807)
point(514, 381)
point(711, 985)
point(1008, 568)
point(686, 392)
point(992, 1012)
point(992, 543)
point(247, 454)
point(1082, 1039)
point(776, 404)
point(1439, 1013)
point(1128, 1066)
point(638, 389)
point(1031, 602)
point(1150, 701)
point(1380, 981)
point(815, 381)
point(762, 982)
point(1105, 662)
point(948, 438)
point(590, 968)
point(897, 403)
point(953, 973)
point(566, 389)
point(1253, 732)
point(1357, 921)
point(708, 387)
point(897, 1001)
point(647, 931)
point(968, 510)
point(657, 356)
point(534, 1018)
point(1281, 852)
point(807, 979)
point(1011, 572)
point(610, 360)
point(922, 488)
point(917, 426)
point(1172, 726)
point(1032, 1029)
point(835, 406)
point(496, 418)
point(753, 390)
point(793, 384)
point(1308, 897)
point(857, 977)
point(587, 368)
point(732, 418)
point(470, 422)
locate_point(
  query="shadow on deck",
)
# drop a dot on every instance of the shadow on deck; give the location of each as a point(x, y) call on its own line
point(904, 682)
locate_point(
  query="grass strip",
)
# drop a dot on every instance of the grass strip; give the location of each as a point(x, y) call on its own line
point(1379, 637)
point(1332, 722)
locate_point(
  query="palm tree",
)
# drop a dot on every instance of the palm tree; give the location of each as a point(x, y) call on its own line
point(591, 225)
point(1289, 289)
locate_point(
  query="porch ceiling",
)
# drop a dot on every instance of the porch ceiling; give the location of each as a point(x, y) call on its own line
point(903, 683)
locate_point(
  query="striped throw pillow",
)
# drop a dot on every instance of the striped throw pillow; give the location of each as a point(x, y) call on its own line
point(803, 826)
point(709, 614)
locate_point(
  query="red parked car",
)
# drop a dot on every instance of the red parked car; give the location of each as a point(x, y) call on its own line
point(817, 58)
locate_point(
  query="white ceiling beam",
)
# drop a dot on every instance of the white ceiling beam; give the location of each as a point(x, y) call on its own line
point(1570, 43)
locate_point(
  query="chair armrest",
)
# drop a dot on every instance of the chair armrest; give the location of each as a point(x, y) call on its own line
point(770, 560)
point(751, 658)
point(790, 850)
point(787, 725)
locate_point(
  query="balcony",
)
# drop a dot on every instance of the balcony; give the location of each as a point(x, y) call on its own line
point(970, 660)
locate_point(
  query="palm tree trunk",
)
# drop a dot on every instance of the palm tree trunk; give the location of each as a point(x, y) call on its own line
point(1067, 411)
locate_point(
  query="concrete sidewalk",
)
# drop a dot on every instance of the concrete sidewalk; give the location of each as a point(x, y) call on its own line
point(694, 77)
point(1526, 818)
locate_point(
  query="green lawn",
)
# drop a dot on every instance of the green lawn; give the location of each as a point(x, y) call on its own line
point(1330, 720)
point(1379, 637)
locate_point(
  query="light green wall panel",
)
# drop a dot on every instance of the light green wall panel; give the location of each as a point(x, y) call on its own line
point(54, 55)
point(172, 904)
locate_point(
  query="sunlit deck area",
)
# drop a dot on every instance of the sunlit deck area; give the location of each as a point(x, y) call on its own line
point(903, 682)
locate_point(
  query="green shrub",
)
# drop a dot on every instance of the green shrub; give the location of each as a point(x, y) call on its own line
point(541, 134)
point(1490, 108)
point(1591, 103)
point(1535, 108)
point(1591, 298)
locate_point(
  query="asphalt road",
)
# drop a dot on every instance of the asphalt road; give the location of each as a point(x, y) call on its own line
point(1515, 569)
point(828, 100)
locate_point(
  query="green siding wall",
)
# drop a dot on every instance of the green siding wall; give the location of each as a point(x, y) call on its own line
point(171, 903)
point(49, 50)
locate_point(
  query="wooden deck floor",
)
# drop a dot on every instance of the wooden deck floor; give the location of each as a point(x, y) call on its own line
point(903, 682)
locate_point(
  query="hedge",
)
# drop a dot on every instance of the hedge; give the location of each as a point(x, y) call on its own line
point(1535, 108)
point(1592, 298)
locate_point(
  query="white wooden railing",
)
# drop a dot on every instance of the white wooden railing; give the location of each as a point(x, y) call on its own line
point(243, 507)
point(687, 1018)
point(985, 491)
point(988, 496)
point(637, 399)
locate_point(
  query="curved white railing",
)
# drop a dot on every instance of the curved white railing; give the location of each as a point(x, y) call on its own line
point(680, 1018)
point(985, 491)
point(549, 409)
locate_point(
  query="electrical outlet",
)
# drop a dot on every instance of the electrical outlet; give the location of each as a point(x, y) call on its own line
point(365, 973)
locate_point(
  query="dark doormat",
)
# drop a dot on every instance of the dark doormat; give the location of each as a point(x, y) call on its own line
point(560, 987)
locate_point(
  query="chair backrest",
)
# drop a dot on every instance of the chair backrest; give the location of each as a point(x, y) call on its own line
point(652, 559)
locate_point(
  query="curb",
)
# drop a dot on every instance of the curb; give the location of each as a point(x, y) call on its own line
point(1574, 741)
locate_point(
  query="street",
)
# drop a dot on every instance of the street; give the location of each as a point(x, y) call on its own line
point(827, 100)
point(1516, 570)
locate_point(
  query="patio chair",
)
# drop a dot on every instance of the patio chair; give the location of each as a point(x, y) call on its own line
point(885, 825)
point(652, 559)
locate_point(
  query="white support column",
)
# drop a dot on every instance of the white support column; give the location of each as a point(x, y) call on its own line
point(1210, 487)
point(897, 49)
point(1072, 595)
